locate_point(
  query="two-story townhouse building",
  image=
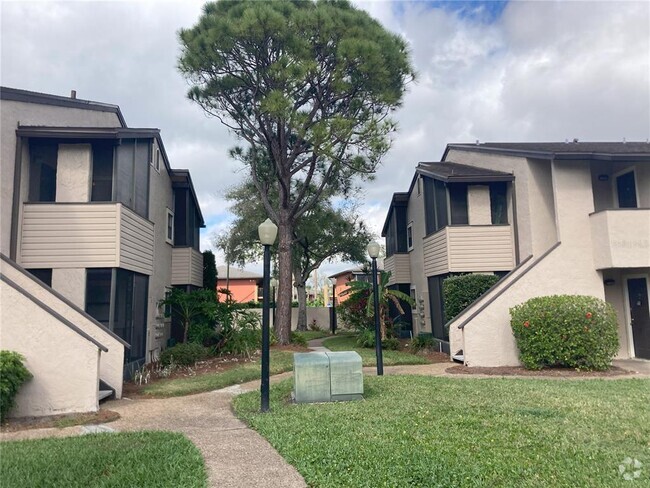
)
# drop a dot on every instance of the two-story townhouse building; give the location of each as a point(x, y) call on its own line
point(550, 218)
point(93, 210)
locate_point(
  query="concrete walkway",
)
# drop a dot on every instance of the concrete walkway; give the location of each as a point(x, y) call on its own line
point(236, 456)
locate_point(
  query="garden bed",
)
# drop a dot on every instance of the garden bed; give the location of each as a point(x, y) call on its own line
point(546, 372)
point(59, 421)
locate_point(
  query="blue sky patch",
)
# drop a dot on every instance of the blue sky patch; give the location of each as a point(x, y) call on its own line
point(477, 11)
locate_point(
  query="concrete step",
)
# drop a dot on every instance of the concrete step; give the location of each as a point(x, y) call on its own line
point(104, 394)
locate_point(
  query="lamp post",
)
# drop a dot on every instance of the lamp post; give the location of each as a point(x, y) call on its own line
point(333, 309)
point(267, 231)
point(274, 287)
point(373, 252)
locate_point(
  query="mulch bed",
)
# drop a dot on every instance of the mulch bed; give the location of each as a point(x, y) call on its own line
point(548, 372)
point(59, 421)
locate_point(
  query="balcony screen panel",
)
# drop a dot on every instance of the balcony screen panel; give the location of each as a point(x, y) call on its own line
point(141, 187)
point(441, 204)
point(436, 305)
point(429, 205)
point(102, 190)
point(98, 294)
point(499, 202)
point(124, 175)
point(458, 204)
point(391, 235)
point(180, 217)
point(42, 171)
point(400, 227)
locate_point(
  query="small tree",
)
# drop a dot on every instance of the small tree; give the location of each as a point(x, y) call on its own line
point(190, 306)
point(210, 272)
point(386, 296)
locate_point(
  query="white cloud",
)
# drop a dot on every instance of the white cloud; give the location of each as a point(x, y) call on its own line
point(539, 71)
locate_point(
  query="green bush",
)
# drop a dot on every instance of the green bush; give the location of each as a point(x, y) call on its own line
point(244, 336)
point(13, 374)
point(184, 354)
point(298, 339)
point(423, 341)
point(367, 339)
point(565, 331)
point(460, 291)
point(390, 343)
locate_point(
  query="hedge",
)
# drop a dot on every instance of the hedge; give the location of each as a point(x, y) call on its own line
point(13, 374)
point(460, 291)
point(571, 331)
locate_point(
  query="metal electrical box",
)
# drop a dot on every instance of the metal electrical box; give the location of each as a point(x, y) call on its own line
point(327, 376)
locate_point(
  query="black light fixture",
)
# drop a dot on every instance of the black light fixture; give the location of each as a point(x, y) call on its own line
point(609, 282)
point(373, 252)
point(267, 231)
point(603, 177)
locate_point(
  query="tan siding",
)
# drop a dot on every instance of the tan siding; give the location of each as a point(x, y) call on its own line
point(68, 236)
point(187, 266)
point(436, 254)
point(480, 248)
point(136, 242)
point(400, 268)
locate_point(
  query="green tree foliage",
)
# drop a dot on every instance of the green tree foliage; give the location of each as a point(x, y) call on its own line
point(190, 306)
point(362, 290)
point(309, 86)
point(323, 233)
point(570, 331)
point(210, 272)
point(13, 374)
point(460, 291)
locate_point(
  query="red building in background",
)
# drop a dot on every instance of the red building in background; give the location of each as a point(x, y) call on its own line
point(244, 286)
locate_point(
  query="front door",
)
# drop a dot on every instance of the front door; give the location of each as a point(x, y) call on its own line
point(637, 290)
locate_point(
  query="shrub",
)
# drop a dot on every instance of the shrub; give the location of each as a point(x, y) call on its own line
point(352, 312)
point(13, 374)
point(367, 339)
point(298, 339)
point(391, 343)
point(184, 354)
point(423, 341)
point(565, 331)
point(460, 291)
point(244, 336)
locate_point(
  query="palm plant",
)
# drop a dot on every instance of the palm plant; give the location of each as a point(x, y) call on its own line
point(386, 297)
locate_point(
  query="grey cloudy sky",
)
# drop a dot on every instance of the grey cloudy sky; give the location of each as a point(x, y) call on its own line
point(494, 71)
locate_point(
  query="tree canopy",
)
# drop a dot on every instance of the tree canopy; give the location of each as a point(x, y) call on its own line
point(309, 86)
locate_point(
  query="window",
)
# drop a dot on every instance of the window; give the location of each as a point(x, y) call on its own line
point(169, 237)
point(156, 160)
point(435, 205)
point(43, 274)
point(499, 202)
point(458, 204)
point(409, 237)
point(626, 190)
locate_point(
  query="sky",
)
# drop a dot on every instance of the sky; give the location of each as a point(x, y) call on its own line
point(493, 71)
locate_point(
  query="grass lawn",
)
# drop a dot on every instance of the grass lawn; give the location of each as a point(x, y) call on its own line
point(280, 362)
point(443, 432)
point(151, 459)
point(391, 358)
point(310, 335)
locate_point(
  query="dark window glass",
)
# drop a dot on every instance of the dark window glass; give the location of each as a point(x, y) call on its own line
point(180, 217)
point(441, 204)
point(436, 306)
point(429, 206)
point(400, 227)
point(499, 202)
point(170, 226)
point(626, 190)
point(458, 204)
point(409, 237)
point(42, 171)
point(130, 312)
point(98, 294)
point(102, 173)
point(43, 274)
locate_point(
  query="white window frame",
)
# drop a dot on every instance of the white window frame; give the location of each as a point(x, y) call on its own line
point(156, 160)
point(409, 230)
point(169, 239)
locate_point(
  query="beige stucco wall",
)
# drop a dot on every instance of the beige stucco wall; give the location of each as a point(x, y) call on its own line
point(71, 283)
point(12, 113)
point(604, 189)
point(621, 238)
point(160, 199)
point(74, 173)
point(415, 216)
point(111, 362)
point(478, 205)
point(64, 364)
point(487, 340)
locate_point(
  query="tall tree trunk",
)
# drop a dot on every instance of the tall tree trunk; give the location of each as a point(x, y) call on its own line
point(285, 232)
point(301, 290)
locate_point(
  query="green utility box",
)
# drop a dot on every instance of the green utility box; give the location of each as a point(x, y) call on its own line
point(327, 376)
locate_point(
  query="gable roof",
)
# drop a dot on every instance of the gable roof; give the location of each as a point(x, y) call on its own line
point(27, 96)
point(609, 151)
point(461, 173)
point(237, 274)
